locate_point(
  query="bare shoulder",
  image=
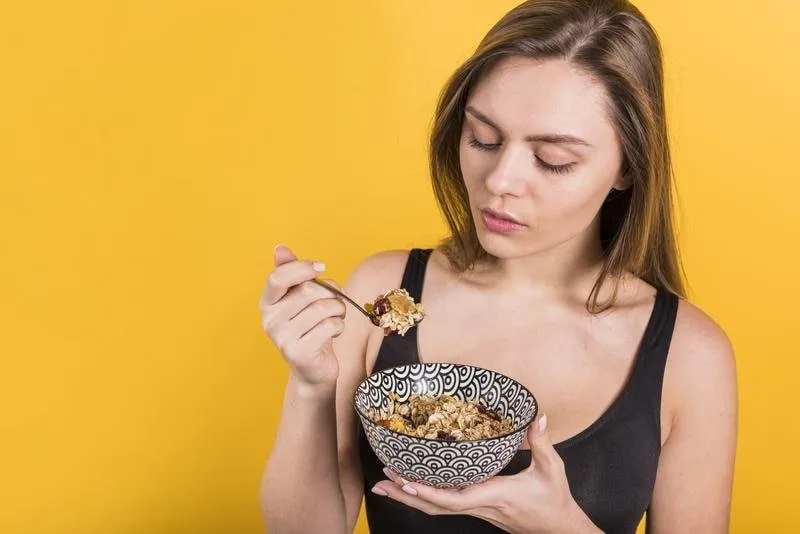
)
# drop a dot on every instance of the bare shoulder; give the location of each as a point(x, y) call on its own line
point(377, 273)
point(699, 344)
point(701, 367)
point(372, 276)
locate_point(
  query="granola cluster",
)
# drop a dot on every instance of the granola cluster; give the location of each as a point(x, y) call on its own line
point(441, 417)
point(395, 311)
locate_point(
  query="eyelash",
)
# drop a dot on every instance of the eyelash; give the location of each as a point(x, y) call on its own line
point(555, 169)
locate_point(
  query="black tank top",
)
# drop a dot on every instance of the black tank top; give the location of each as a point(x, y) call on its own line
point(611, 465)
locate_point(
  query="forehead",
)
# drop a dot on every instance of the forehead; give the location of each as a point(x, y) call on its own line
point(524, 96)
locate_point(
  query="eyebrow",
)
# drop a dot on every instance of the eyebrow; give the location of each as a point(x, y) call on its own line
point(543, 138)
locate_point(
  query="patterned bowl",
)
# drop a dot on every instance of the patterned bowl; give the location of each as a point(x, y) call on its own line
point(436, 462)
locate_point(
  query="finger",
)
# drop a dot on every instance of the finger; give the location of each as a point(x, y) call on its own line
point(394, 477)
point(389, 489)
point(403, 491)
point(283, 255)
point(470, 500)
point(298, 298)
point(543, 455)
point(288, 275)
point(313, 314)
point(340, 299)
point(320, 334)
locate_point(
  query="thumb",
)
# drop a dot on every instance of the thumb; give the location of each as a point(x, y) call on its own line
point(543, 455)
point(283, 255)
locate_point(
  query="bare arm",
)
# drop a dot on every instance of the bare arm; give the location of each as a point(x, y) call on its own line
point(695, 474)
point(313, 481)
point(313, 463)
point(302, 471)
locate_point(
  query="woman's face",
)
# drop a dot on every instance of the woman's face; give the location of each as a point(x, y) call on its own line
point(538, 155)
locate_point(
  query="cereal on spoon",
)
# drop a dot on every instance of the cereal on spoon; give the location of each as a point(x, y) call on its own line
point(395, 311)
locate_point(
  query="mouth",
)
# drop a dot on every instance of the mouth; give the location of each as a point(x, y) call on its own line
point(501, 215)
point(500, 222)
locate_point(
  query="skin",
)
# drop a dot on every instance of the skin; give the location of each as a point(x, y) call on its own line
point(530, 302)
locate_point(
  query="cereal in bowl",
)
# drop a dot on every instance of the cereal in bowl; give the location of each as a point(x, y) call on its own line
point(440, 417)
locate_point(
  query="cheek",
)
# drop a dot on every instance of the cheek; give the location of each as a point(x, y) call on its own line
point(574, 197)
point(472, 167)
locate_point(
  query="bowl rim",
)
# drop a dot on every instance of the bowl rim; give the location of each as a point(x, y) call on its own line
point(522, 427)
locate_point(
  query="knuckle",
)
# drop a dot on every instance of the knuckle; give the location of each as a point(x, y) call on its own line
point(308, 290)
point(289, 350)
point(273, 280)
point(334, 325)
point(335, 307)
point(267, 325)
point(326, 308)
point(280, 341)
point(317, 309)
point(268, 319)
point(338, 324)
point(341, 308)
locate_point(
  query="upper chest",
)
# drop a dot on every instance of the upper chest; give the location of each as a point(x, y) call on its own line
point(576, 363)
point(530, 337)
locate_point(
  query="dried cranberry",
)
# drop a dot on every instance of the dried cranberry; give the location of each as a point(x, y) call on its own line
point(382, 306)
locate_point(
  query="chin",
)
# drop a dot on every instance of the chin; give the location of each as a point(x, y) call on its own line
point(502, 246)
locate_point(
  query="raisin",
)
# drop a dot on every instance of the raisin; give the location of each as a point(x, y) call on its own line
point(489, 413)
point(382, 306)
point(441, 434)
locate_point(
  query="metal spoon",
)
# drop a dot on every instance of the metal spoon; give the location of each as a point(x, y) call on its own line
point(357, 306)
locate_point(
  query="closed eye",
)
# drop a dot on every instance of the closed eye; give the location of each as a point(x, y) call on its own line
point(555, 169)
point(474, 143)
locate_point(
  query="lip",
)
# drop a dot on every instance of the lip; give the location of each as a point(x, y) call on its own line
point(500, 222)
point(501, 215)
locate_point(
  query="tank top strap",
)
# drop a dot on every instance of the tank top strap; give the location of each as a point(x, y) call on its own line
point(654, 349)
point(414, 274)
point(403, 350)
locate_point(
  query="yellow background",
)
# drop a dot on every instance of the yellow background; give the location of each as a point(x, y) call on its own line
point(152, 152)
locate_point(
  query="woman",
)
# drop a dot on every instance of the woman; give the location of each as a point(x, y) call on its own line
point(550, 161)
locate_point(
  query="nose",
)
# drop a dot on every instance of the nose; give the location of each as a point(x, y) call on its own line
point(509, 176)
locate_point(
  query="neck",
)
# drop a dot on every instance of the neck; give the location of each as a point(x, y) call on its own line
point(569, 267)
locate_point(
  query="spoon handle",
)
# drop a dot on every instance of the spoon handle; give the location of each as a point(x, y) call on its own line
point(348, 299)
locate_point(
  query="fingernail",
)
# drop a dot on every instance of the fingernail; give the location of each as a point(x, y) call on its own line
point(378, 491)
point(317, 266)
point(403, 481)
point(387, 472)
point(276, 247)
point(409, 490)
point(542, 424)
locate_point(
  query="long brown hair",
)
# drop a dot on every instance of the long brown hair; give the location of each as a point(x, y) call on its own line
point(613, 42)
